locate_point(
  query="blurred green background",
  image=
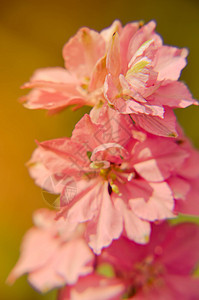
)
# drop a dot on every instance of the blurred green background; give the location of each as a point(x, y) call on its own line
point(32, 36)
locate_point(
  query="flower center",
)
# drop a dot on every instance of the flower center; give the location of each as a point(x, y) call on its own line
point(107, 174)
point(110, 161)
point(146, 274)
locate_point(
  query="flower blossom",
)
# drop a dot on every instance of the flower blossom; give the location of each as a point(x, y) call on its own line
point(81, 81)
point(53, 253)
point(126, 169)
point(162, 269)
point(121, 177)
point(127, 66)
point(142, 79)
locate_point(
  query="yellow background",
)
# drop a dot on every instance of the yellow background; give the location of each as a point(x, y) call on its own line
point(32, 34)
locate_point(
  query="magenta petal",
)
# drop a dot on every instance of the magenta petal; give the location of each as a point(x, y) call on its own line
point(182, 287)
point(94, 287)
point(181, 245)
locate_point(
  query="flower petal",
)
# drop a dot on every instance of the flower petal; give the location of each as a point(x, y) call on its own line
point(159, 206)
point(83, 51)
point(169, 62)
point(107, 224)
point(157, 126)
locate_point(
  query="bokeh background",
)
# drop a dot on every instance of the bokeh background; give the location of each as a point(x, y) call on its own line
point(32, 34)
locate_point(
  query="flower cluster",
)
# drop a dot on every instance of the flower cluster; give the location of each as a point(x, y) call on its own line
point(125, 171)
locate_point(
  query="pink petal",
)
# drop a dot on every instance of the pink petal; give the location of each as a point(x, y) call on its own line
point(52, 100)
point(98, 75)
point(189, 205)
point(51, 164)
point(54, 75)
point(83, 51)
point(73, 260)
point(107, 224)
point(45, 279)
point(66, 152)
point(136, 188)
point(158, 163)
point(44, 178)
point(108, 32)
point(169, 62)
point(157, 126)
point(132, 253)
point(180, 188)
point(113, 61)
point(159, 206)
point(85, 204)
point(190, 168)
point(143, 53)
point(31, 260)
point(53, 254)
point(127, 33)
point(173, 94)
point(144, 34)
point(110, 90)
point(134, 107)
point(180, 249)
point(84, 129)
point(53, 88)
point(136, 229)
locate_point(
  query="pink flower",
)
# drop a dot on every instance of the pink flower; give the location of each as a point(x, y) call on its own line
point(53, 253)
point(129, 67)
point(142, 79)
point(120, 175)
point(81, 81)
point(162, 269)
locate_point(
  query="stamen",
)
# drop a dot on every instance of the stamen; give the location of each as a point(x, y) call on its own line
point(115, 188)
